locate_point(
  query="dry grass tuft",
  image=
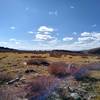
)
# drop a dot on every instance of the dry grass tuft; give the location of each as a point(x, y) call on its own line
point(5, 77)
point(37, 62)
point(55, 54)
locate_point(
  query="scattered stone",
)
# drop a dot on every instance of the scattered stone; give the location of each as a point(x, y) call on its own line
point(75, 96)
point(30, 71)
point(13, 81)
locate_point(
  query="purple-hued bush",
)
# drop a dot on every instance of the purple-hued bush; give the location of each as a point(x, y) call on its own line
point(93, 66)
point(81, 73)
point(62, 69)
point(41, 87)
point(58, 69)
point(84, 71)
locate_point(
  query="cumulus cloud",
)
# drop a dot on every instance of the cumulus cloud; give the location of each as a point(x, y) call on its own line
point(45, 33)
point(45, 29)
point(86, 34)
point(68, 38)
point(96, 35)
point(86, 39)
point(43, 37)
point(91, 34)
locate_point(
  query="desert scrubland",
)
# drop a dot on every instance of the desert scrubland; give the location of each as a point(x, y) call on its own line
point(30, 76)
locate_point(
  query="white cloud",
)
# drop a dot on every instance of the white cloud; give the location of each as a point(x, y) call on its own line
point(43, 37)
point(14, 43)
point(12, 27)
point(68, 38)
point(45, 29)
point(86, 39)
point(96, 35)
point(3, 43)
point(10, 43)
point(44, 41)
point(13, 40)
point(86, 34)
point(53, 13)
point(45, 33)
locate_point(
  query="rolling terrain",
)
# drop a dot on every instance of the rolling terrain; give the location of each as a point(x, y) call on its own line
point(24, 70)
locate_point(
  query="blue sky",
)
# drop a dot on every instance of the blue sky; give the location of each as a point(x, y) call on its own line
point(50, 24)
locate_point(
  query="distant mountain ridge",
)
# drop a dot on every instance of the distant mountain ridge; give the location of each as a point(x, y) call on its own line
point(91, 51)
point(94, 51)
point(5, 49)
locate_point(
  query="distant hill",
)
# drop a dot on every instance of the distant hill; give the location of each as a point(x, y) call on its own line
point(4, 49)
point(94, 51)
point(91, 51)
